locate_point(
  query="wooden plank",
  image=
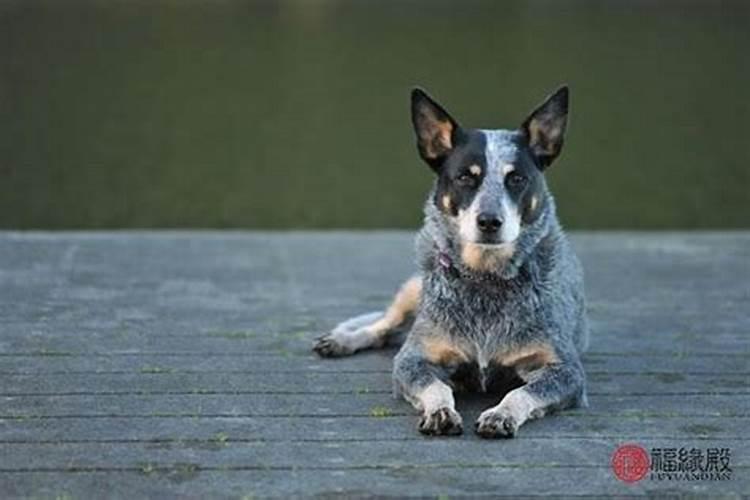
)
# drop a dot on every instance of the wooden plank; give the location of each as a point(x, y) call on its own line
point(154, 381)
point(188, 481)
point(633, 337)
point(334, 404)
point(175, 429)
point(436, 452)
point(227, 362)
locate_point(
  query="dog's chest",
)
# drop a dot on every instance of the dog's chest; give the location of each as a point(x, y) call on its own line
point(484, 321)
point(481, 314)
point(485, 325)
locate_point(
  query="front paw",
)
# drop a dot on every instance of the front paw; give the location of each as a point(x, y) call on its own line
point(327, 346)
point(441, 422)
point(496, 423)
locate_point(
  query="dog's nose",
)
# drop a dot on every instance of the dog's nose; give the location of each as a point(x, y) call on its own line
point(488, 222)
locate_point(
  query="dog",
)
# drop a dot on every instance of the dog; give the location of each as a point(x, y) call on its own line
point(498, 300)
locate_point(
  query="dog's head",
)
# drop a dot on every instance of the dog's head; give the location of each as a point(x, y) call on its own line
point(490, 186)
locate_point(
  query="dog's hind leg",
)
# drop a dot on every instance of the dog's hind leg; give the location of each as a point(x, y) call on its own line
point(373, 330)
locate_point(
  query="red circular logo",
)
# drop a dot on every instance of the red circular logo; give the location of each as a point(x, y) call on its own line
point(630, 463)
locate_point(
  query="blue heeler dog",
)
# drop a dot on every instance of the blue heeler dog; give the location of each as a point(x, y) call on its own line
point(498, 300)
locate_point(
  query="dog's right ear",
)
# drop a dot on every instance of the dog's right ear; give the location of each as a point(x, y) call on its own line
point(545, 127)
point(435, 129)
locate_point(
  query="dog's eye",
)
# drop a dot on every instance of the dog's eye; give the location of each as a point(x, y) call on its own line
point(465, 179)
point(515, 180)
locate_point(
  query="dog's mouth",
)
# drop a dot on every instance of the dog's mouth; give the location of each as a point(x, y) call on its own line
point(491, 241)
point(487, 256)
point(491, 245)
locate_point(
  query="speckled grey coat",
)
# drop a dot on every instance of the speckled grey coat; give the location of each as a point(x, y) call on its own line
point(498, 304)
point(538, 298)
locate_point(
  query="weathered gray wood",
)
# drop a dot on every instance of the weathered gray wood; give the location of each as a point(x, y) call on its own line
point(264, 341)
point(149, 480)
point(166, 364)
point(319, 405)
point(524, 451)
point(380, 361)
point(176, 429)
point(154, 382)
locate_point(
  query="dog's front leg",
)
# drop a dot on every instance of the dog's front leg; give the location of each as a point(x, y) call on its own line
point(423, 384)
point(552, 387)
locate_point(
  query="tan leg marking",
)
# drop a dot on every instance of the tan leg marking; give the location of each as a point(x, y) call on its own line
point(442, 351)
point(406, 302)
point(527, 358)
point(357, 334)
point(518, 406)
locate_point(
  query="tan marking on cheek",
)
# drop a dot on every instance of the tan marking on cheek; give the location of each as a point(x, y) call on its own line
point(508, 168)
point(442, 351)
point(481, 258)
point(406, 301)
point(447, 203)
point(475, 170)
point(528, 357)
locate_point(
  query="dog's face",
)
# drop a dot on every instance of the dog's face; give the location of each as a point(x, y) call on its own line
point(490, 184)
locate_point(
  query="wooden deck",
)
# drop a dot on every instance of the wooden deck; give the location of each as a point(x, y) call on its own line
point(166, 364)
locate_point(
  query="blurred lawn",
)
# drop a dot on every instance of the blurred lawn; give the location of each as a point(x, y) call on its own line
point(295, 114)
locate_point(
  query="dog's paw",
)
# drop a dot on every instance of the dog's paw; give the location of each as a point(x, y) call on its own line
point(328, 347)
point(441, 422)
point(496, 423)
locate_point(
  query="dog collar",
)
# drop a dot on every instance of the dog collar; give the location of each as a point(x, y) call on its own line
point(444, 260)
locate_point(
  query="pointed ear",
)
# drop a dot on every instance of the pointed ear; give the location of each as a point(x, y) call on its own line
point(545, 127)
point(436, 131)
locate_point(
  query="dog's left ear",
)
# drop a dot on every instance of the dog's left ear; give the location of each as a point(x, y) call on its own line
point(544, 129)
